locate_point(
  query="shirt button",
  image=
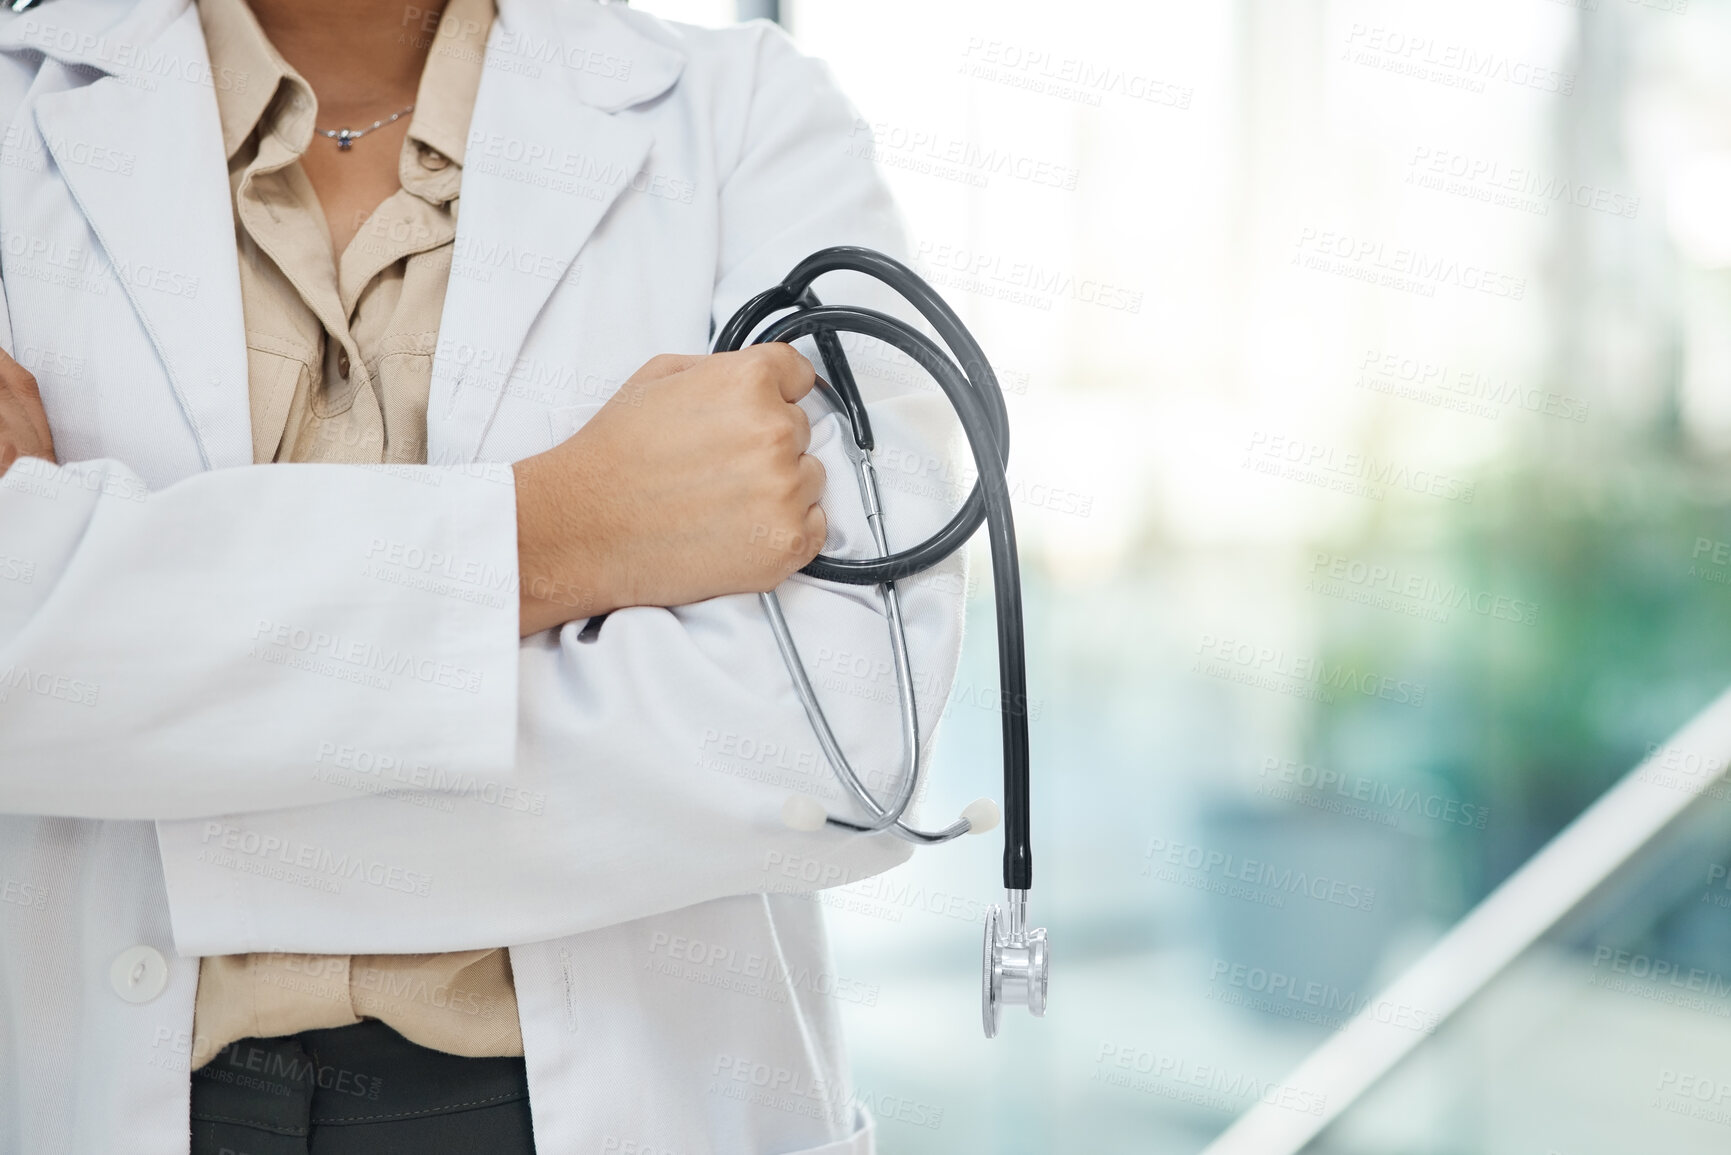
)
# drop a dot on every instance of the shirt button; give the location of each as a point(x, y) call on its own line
point(434, 160)
point(343, 363)
point(138, 974)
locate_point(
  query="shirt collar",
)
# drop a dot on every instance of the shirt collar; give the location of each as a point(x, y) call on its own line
point(451, 78)
point(248, 72)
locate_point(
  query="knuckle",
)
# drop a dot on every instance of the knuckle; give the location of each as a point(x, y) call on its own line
point(778, 436)
point(784, 490)
point(782, 360)
point(756, 375)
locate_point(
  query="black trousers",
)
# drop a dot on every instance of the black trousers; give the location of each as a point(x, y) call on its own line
point(354, 1090)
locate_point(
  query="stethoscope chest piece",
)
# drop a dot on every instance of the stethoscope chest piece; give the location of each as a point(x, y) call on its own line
point(1014, 964)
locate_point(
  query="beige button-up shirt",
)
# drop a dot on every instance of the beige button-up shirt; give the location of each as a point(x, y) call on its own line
point(339, 358)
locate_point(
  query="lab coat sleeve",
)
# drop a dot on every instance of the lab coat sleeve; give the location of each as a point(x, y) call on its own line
point(655, 757)
point(218, 645)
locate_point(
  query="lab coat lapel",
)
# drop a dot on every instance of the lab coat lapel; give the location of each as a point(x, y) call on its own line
point(162, 216)
point(544, 161)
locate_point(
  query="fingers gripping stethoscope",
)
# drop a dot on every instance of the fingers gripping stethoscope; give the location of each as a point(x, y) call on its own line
point(1015, 959)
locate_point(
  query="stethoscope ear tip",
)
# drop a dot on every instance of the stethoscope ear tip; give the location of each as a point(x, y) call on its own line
point(982, 815)
point(802, 813)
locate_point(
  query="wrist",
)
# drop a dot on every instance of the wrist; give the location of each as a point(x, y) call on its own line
point(561, 561)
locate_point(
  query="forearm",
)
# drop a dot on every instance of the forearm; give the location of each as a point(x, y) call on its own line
point(202, 649)
point(652, 766)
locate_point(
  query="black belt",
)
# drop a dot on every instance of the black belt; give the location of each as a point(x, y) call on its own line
point(353, 1090)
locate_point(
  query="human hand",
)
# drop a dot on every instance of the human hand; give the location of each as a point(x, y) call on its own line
point(24, 428)
point(690, 483)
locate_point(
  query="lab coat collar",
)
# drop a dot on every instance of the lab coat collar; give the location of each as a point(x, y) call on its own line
point(541, 172)
point(158, 203)
point(117, 37)
point(609, 62)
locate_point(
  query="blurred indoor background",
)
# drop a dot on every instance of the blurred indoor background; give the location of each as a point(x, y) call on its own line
point(1369, 367)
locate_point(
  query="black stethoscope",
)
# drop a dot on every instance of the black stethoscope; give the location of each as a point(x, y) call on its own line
point(1015, 959)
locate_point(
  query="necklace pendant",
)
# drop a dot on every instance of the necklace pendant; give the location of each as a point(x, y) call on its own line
point(345, 139)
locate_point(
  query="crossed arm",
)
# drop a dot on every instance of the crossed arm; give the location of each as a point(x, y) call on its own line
point(653, 760)
point(692, 483)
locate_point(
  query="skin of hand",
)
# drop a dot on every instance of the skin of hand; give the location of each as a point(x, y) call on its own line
point(24, 428)
point(691, 482)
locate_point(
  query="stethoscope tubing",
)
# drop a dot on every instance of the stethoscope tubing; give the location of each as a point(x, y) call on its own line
point(972, 390)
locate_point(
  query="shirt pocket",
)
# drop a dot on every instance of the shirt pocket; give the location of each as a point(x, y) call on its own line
point(273, 380)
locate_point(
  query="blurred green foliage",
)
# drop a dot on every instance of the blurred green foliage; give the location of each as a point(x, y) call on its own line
point(1631, 636)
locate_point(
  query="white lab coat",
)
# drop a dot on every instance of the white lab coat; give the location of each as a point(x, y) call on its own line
point(285, 707)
